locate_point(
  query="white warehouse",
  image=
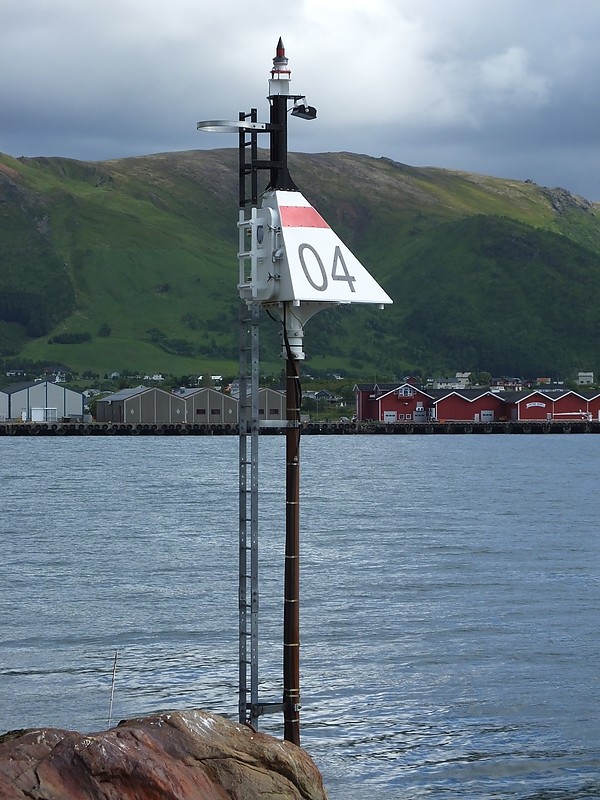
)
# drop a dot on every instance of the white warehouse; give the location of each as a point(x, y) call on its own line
point(42, 401)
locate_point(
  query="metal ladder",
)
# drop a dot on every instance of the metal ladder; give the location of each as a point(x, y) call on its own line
point(250, 708)
point(248, 508)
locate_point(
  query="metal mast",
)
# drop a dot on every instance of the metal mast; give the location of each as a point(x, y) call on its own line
point(250, 240)
point(291, 262)
point(279, 95)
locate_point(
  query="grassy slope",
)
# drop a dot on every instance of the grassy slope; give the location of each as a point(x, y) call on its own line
point(149, 246)
point(138, 261)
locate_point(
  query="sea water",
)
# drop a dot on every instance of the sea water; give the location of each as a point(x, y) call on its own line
point(449, 615)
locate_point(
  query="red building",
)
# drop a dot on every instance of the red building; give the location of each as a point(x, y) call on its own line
point(562, 405)
point(475, 405)
point(594, 404)
point(407, 403)
point(577, 405)
point(393, 403)
point(536, 405)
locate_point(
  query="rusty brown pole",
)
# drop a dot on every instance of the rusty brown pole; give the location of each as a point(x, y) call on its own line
point(291, 608)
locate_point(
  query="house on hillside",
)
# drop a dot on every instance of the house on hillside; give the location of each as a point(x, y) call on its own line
point(585, 378)
point(43, 401)
point(322, 396)
point(233, 388)
point(445, 382)
point(507, 384)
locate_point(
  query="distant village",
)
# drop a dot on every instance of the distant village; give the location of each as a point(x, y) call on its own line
point(49, 399)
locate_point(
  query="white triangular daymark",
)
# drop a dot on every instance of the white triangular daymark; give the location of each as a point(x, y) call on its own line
point(312, 263)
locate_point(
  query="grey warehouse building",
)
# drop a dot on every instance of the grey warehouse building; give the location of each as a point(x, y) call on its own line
point(271, 404)
point(41, 401)
point(206, 405)
point(209, 405)
point(3, 406)
point(141, 405)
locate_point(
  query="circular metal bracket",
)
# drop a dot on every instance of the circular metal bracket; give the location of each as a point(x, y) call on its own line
point(231, 126)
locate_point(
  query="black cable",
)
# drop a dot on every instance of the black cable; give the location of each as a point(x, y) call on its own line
point(290, 357)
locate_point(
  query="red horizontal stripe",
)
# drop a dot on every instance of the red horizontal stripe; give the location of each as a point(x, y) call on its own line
point(301, 217)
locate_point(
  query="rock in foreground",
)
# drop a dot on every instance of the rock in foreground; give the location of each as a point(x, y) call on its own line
point(180, 755)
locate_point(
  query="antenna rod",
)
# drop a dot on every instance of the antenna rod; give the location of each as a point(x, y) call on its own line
point(112, 688)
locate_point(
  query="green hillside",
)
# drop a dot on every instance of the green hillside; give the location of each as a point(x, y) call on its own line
point(131, 265)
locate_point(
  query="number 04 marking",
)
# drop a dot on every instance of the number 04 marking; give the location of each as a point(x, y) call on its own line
point(339, 270)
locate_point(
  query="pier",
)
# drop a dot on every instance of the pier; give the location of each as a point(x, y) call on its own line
point(308, 429)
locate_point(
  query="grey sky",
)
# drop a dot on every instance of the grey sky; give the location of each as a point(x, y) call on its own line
point(502, 87)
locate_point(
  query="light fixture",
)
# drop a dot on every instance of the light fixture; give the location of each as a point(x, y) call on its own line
point(303, 110)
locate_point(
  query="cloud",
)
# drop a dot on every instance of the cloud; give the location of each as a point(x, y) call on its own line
point(507, 76)
point(415, 81)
